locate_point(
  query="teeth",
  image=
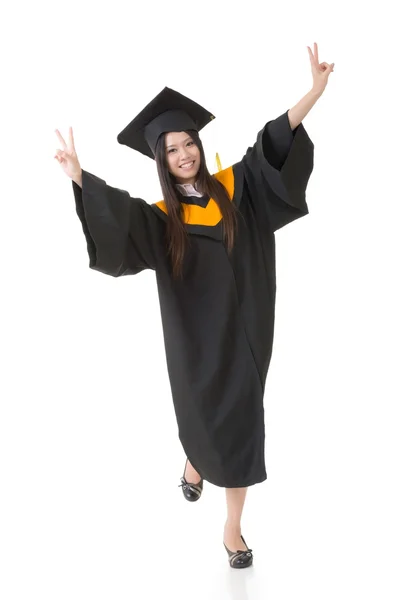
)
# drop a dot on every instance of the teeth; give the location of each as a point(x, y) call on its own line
point(187, 166)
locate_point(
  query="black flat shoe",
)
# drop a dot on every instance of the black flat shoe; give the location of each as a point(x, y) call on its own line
point(191, 491)
point(241, 558)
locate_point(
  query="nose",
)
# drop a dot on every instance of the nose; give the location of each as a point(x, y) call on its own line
point(184, 154)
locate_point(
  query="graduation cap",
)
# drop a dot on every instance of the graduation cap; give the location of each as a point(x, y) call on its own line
point(168, 111)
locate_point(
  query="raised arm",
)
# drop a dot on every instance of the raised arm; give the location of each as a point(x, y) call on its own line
point(122, 233)
point(320, 73)
point(278, 166)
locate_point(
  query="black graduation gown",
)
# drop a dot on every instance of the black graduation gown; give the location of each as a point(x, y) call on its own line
point(218, 321)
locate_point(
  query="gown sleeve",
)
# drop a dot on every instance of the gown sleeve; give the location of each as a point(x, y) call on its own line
point(277, 169)
point(121, 232)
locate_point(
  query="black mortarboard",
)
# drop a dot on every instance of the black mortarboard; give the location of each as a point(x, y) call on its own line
point(168, 111)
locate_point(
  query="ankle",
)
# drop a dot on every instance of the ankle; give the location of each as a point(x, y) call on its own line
point(232, 527)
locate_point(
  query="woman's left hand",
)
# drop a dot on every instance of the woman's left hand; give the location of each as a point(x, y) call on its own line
point(320, 71)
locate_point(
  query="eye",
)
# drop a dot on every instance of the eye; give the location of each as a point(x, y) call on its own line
point(171, 150)
point(190, 143)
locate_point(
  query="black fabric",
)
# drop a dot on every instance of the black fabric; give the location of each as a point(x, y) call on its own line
point(198, 200)
point(168, 111)
point(278, 184)
point(120, 230)
point(218, 321)
point(171, 120)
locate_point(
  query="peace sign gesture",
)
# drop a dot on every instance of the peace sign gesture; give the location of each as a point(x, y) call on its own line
point(320, 71)
point(68, 158)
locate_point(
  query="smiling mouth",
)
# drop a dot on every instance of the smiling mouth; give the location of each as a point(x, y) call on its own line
point(187, 166)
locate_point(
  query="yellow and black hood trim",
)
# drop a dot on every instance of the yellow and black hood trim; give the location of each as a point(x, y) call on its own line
point(207, 220)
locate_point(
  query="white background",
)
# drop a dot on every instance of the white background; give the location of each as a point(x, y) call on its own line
point(90, 459)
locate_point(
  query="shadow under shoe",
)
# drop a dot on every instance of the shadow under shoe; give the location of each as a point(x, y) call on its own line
point(191, 491)
point(241, 558)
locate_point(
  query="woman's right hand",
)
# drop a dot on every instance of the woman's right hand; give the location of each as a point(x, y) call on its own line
point(68, 158)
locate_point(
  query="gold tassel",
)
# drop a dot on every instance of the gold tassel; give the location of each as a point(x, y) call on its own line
point(218, 162)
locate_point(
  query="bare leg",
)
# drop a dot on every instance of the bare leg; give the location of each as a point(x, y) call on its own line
point(235, 498)
point(191, 475)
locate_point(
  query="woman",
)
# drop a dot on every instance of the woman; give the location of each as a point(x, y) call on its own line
point(211, 244)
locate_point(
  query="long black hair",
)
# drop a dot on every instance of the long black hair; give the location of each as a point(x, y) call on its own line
point(177, 236)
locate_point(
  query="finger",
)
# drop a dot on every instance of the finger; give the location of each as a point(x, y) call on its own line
point(61, 139)
point(310, 54)
point(316, 51)
point(71, 138)
point(61, 155)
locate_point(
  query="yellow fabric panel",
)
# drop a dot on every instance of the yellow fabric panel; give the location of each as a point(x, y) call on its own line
point(226, 177)
point(217, 158)
point(211, 215)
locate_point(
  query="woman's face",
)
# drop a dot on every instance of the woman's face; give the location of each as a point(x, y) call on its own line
point(183, 156)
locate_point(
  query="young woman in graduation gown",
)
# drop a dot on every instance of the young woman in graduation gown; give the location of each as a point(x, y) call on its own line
point(211, 244)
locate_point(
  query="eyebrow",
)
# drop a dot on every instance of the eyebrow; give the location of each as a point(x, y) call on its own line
point(188, 138)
